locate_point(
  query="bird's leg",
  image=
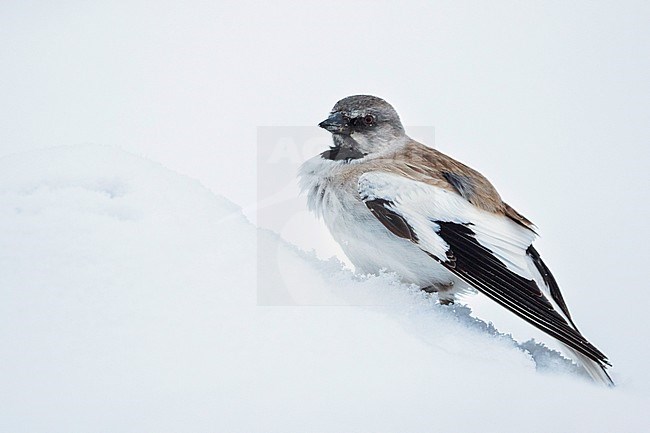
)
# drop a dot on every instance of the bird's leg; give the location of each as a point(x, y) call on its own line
point(443, 291)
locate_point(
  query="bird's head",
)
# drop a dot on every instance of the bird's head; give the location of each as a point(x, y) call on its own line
point(362, 125)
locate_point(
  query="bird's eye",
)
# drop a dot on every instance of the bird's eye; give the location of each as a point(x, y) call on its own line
point(369, 119)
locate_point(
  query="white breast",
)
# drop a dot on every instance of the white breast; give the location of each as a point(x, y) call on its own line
point(332, 193)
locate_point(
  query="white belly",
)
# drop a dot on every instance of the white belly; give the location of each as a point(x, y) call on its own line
point(369, 245)
point(372, 248)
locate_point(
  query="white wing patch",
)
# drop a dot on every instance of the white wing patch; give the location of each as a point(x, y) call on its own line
point(421, 205)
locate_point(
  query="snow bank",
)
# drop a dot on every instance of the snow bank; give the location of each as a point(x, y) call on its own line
point(133, 299)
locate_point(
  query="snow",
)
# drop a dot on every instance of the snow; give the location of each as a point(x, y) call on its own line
point(134, 299)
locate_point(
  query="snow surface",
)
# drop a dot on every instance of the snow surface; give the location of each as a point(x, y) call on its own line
point(133, 299)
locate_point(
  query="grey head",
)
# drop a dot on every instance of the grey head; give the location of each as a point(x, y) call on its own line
point(362, 125)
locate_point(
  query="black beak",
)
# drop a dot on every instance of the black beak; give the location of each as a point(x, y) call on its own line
point(337, 123)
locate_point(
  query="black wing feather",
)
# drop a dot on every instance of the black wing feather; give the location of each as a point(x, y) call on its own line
point(462, 184)
point(390, 219)
point(549, 279)
point(477, 265)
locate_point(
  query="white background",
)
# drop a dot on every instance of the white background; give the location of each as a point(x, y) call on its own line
point(550, 100)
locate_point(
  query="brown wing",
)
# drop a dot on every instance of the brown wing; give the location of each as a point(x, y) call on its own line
point(433, 167)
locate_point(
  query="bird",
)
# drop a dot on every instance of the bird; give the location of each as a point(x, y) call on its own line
point(397, 205)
